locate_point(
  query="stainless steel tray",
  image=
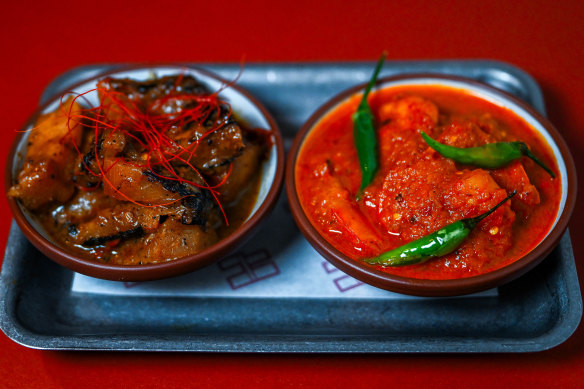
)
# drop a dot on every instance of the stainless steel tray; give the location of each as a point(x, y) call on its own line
point(40, 308)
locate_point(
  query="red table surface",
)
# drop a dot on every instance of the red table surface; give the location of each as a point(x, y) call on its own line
point(39, 41)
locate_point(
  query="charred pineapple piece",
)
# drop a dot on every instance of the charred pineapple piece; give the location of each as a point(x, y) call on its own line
point(50, 159)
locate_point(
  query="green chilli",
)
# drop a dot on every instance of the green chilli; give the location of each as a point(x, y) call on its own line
point(364, 134)
point(490, 156)
point(436, 244)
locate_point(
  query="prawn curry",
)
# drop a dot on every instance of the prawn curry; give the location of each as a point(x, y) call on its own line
point(417, 192)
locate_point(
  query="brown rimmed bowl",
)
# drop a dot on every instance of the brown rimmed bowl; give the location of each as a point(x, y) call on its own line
point(246, 108)
point(451, 287)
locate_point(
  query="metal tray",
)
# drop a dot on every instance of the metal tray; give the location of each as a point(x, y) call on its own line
point(41, 309)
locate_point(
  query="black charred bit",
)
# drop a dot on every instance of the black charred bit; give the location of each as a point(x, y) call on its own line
point(87, 160)
point(72, 229)
point(223, 118)
point(101, 240)
point(198, 201)
point(158, 87)
point(89, 157)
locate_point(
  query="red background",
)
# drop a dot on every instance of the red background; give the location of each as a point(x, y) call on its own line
point(39, 41)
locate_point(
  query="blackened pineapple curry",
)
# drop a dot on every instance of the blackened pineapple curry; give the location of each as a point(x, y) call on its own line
point(159, 170)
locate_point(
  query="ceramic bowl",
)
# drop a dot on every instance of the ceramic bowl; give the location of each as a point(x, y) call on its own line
point(248, 110)
point(427, 287)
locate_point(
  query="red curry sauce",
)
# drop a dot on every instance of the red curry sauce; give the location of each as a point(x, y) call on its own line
point(416, 191)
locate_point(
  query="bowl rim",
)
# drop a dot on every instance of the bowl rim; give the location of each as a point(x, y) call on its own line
point(163, 269)
point(428, 287)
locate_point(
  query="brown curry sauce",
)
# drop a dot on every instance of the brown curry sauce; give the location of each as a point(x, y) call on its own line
point(125, 182)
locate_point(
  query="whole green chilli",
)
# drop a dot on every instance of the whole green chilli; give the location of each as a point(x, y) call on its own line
point(436, 244)
point(490, 155)
point(364, 134)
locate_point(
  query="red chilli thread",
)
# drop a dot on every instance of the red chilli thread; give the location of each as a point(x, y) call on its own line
point(149, 130)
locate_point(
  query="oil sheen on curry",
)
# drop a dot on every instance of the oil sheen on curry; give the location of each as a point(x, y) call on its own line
point(160, 170)
point(416, 191)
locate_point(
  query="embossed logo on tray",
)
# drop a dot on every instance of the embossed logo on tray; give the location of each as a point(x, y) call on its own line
point(343, 282)
point(245, 269)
